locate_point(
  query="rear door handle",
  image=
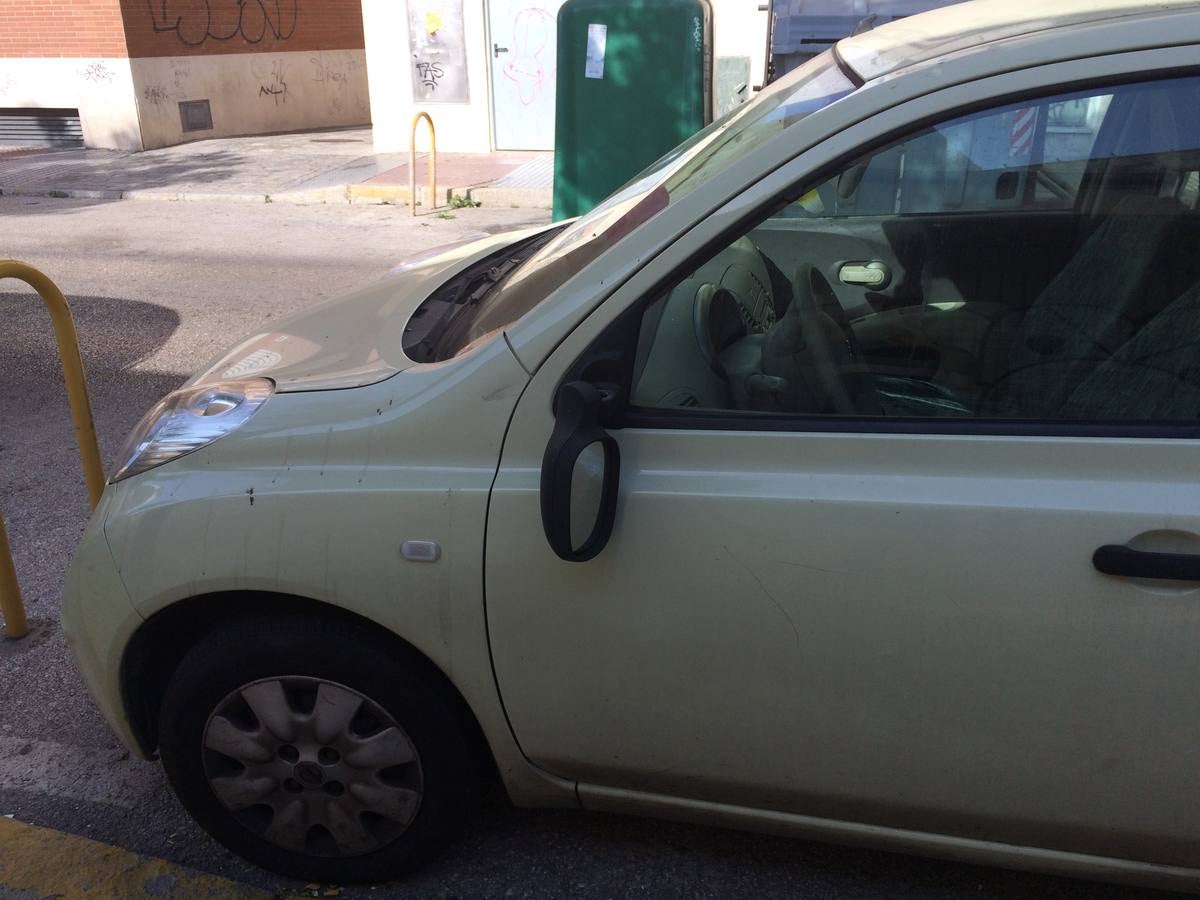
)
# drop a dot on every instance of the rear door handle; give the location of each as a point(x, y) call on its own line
point(1117, 559)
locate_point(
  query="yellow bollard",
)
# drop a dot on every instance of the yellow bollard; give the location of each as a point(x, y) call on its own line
point(412, 162)
point(81, 412)
point(11, 607)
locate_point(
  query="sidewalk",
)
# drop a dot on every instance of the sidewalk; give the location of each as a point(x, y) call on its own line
point(311, 167)
point(38, 862)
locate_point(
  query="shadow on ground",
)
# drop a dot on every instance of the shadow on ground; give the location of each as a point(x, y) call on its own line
point(100, 170)
point(506, 852)
point(114, 336)
point(42, 494)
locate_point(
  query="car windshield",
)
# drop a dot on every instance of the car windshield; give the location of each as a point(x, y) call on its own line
point(813, 86)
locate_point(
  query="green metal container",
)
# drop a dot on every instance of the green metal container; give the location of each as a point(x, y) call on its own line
point(634, 80)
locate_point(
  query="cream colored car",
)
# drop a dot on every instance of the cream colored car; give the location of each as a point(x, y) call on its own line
point(837, 477)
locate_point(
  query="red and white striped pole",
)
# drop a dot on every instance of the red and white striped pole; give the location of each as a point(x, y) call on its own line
point(1020, 142)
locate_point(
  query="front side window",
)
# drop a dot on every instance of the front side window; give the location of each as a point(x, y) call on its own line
point(1033, 261)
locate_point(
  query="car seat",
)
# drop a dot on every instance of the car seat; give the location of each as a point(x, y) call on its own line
point(1119, 278)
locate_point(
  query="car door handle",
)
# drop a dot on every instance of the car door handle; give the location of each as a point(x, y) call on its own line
point(874, 274)
point(1118, 559)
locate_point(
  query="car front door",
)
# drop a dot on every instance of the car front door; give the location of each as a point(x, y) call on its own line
point(870, 587)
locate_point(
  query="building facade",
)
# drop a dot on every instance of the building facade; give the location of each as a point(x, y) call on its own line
point(485, 70)
point(138, 74)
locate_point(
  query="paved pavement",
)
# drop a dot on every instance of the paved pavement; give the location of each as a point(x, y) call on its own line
point(337, 166)
point(13, 150)
point(158, 288)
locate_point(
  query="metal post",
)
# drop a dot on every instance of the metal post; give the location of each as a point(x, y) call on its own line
point(73, 374)
point(768, 65)
point(81, 412)
point(412, 162)
point(11, 607)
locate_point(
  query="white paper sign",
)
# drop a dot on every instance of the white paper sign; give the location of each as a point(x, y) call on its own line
point(597, 37)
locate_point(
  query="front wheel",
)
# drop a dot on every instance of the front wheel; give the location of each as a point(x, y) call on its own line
point(316, 749)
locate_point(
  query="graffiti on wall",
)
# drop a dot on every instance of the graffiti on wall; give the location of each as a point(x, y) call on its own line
point(533, 38)
point(437, 42)
point(156, 94)
point(329, 74)
point(276, 86)
point(430, 75)
point(197, 21)
point(96, 72)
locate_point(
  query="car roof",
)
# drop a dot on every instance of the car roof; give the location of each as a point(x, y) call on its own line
point(977, 24)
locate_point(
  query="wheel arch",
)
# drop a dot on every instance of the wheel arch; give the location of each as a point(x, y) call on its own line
point(162, 641)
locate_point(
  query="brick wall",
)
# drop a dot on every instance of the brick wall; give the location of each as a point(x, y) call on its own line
point(74, 28)
point(61, 28)
point(206, 27)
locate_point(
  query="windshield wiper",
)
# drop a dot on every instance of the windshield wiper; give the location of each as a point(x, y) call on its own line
point(451, 308)
point(491, 279)
point(451, 303)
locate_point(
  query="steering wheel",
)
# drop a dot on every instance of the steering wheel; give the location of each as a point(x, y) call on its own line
point(829, 340)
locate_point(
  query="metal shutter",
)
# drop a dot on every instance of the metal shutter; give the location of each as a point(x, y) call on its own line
point(58, 127)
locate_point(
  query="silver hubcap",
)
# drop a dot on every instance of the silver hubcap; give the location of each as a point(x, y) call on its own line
point(312, 766)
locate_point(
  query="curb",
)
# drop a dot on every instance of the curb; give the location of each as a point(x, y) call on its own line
point(539, 198)
point(535, 198)
point(381, 193)
point(331, 195)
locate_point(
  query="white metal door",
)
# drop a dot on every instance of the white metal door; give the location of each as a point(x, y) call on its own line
point(523, 53)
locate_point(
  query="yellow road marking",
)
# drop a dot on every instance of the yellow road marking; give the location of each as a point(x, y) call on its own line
point(380, 192)
point(45, 863)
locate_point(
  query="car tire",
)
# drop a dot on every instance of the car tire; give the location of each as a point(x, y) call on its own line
point(258, 742)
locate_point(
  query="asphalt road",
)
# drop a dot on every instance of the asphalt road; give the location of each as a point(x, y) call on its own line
point(158, 288)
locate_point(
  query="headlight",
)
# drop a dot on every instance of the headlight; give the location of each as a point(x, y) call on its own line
point(188, 419)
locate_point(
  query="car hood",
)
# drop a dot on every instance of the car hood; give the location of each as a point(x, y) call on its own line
point(353, 340)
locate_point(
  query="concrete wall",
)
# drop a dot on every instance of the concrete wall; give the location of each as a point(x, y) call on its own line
point(251, 93)
point(461, 127)
point(739, 30)
point(101, 89)
point(56, 54)
point(263, 65)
